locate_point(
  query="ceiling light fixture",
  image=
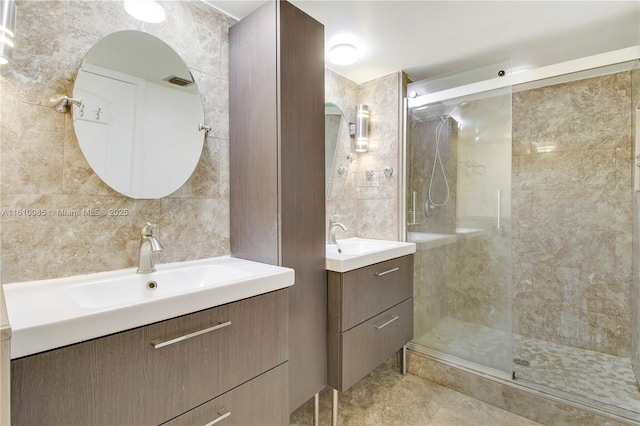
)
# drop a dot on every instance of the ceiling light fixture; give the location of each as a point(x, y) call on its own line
point(145, 10)
point(343, 54)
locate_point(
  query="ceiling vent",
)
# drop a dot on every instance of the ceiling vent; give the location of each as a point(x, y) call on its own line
point(178, 81)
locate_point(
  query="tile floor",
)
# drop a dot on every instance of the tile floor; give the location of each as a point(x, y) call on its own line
point(602, 378)
point(386, 397)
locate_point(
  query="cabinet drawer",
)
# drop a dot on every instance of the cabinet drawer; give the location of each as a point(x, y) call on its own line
point(261, 401)
point(371, 343)
point(124, 379)
point(370, 290)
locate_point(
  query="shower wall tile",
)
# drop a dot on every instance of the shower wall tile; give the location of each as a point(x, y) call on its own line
point(624, 254)
point(572, 207)
point(368, 207)
point(608, 294)
point(635, 314)
point(479, 276)
point(593, 210)
point(430, 279)
point(594, 331)
point(521, 123)
point(624, 167)
point(569, 116)
point(42, 166)
point(553, 245)
point(563, 170)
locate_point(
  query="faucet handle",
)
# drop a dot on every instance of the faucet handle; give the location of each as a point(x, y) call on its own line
point(147, 229)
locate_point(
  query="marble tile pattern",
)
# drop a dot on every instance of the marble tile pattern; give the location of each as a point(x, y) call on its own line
point(42, 166)
point(386, 397)
point(368, 207)
point(572, 213)
point(479, 275)
point(429, 288)
point(635, 300)
point(602, 380)
point(341, 201)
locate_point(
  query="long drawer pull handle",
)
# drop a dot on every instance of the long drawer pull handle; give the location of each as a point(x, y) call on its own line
point(383, 325)
point(223, 414)
point(162, 343)
point(379, 274)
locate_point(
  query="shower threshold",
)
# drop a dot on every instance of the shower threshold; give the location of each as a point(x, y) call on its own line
point(601, 381)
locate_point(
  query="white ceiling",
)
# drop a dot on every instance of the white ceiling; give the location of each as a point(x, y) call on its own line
point(432, 38)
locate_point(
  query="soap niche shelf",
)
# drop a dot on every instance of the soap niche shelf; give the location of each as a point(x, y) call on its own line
point(372, 177)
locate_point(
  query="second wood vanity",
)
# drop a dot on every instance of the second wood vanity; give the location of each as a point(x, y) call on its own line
point(370, 317)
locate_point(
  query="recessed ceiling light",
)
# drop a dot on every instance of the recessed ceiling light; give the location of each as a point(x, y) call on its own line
point(145, 10)
point(343, 54)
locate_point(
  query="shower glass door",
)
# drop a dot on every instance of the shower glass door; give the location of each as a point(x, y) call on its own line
point(458, 192)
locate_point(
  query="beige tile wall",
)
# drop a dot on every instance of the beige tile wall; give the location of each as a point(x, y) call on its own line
point(369, 208)
point(635, 300)
point(43, 168)
point(572, 213)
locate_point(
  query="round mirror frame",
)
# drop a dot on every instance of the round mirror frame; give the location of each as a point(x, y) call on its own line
point(140, 122)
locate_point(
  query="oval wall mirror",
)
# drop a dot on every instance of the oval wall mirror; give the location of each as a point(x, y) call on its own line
point(337, 149)
point(139, 123)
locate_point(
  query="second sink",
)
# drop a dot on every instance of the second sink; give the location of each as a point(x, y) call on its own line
point(354, 253)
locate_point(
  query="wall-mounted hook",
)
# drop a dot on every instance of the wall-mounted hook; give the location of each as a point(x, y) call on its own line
point(206, 129)
point(61, 102)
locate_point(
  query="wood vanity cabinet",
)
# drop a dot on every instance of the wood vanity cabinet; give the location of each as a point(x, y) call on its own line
point(370, 317)
point(135, 378)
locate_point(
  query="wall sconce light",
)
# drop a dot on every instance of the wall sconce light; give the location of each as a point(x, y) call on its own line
point(7, 31)
point(362, 128)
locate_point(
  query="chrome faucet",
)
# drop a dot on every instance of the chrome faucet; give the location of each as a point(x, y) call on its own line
point(333, 226)
point(148, 245)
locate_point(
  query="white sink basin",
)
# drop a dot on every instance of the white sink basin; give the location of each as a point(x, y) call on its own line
point(49, 314)
point(354, 253)
point(133, 288)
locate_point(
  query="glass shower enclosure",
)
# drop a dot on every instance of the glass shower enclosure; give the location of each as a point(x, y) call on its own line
point(520, 201)
point(458, 195)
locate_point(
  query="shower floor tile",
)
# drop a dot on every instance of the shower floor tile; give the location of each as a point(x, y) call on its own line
point(603, 378)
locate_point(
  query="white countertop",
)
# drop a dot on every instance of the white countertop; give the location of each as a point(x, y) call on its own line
point(43, 316)
point(353, 253)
